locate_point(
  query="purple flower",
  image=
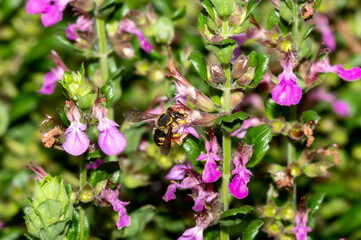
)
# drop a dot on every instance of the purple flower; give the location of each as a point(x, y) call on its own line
point(95, 164)
point(328, 37)
point(51, 10)
point(251, 122)
point(287, 92)
point(339, 107)
point(324, 66)
point(240, 39)
point(301, 228)
point(128, 26)
point(202, 197)
point(170, 194)
point(177, 172)
point(112, 197)
point(195, 233)
point(55, 74)
point(238, 186)
point(210, 173)
point(77, 142)
point(83, 24)
point(110, 140)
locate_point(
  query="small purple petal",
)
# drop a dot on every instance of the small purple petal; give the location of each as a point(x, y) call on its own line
point(49, 84)
point(352, 74)
point(240, 39)
point(177, 172)
point(210, 173)
point(287, 93)
point(202, 157)
point(238, 187)
point(70, 32)
point(95, 164)
point(77, 142)
point(192, 131)
point(188, 182)
point(341, 108)
point(170, 194)
point(195, 233)
point(111, 141)
point(198, 204)
point(35, 6)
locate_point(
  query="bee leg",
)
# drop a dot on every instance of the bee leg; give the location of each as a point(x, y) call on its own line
point(181, 121)
point(176, 135)
point(179, 142)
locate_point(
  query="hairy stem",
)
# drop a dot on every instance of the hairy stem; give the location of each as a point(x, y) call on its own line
point(82, 182)
point(102, 51)
point(291, 151)
point(226, 174)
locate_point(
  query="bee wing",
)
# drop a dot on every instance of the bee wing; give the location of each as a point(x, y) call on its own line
point(165, 148)
point(133, 115)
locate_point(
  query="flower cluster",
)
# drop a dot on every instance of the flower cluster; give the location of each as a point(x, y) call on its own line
point(206, 203)
point(238, 185)
point(110, 140)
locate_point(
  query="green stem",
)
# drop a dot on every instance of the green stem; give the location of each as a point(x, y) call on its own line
point(226, 174)
point(102, 51)
point(291, 151)
point(295, 22)
point(82, 182)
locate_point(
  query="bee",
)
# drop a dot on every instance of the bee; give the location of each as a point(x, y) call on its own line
point(166, 125)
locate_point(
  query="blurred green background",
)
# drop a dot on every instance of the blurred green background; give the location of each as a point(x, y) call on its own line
point(24, 48)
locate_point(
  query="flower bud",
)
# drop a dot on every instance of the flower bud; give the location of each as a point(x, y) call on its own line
point(296, 132)
point(287, 211)
point(273, 228)
point(236, 98)
point(74, 197)
point(269, 210)
point(50, 211)
point(278, 125)
point(75, 84)
point(125, 50)
point(86, 194)
point(247, 77)
point(164, 30)
point(217, 74)
point(240, 67)
point(237, 17)
point(285, 43)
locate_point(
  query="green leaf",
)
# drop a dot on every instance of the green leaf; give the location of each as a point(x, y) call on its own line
point(230, 123)
point(169, 223)
point(180, 13)
point(94, 154)
point(103, 172)
point(310, 115)
point(252, 229)
point(275, 18)
point(199, 63)
point(202, 21)
point(87, 101)
point(223, 50)
point(305, 48)
point(140, 218)
point(4, 119)
point(251, 6)
point(231, 118)
point(224, 8)
point(193, 150)
point(211, 233)
point(209, 8)
point(314, 202)
point(286, 12)
point(259, 137)
point(260, 62)
point(74, 230)
point(308, 32)
point(246, 209)
point(108, 92)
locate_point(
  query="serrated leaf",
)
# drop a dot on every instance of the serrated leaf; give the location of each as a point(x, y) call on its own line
point(314, 202)
point(202, 21)
point(74, 229)
point(310, 115)
point(275, 18)
point(139, 219)
point(103, 172)
point(193, 151)
point(260, 62)
point(199, 63)
point(180, 13)
point(246, 209)
point(259, 137)
point(209, 8)
point(231, 118)
point(252, 229)
point(230, 222)
point(224, 8)
point(223, 50)
point(286, 12)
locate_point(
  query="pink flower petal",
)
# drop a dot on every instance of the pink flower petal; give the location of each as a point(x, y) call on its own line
point(77, 142)
point(352, 74)
point(111, 141)
point(287, 93)
point(52, 16)
point(170, 194)
point(35, 6)
point(70, 32)
point(195, 233)
point(238, 187)
point(210, 173)
point(177, 172)
point(341, 108)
